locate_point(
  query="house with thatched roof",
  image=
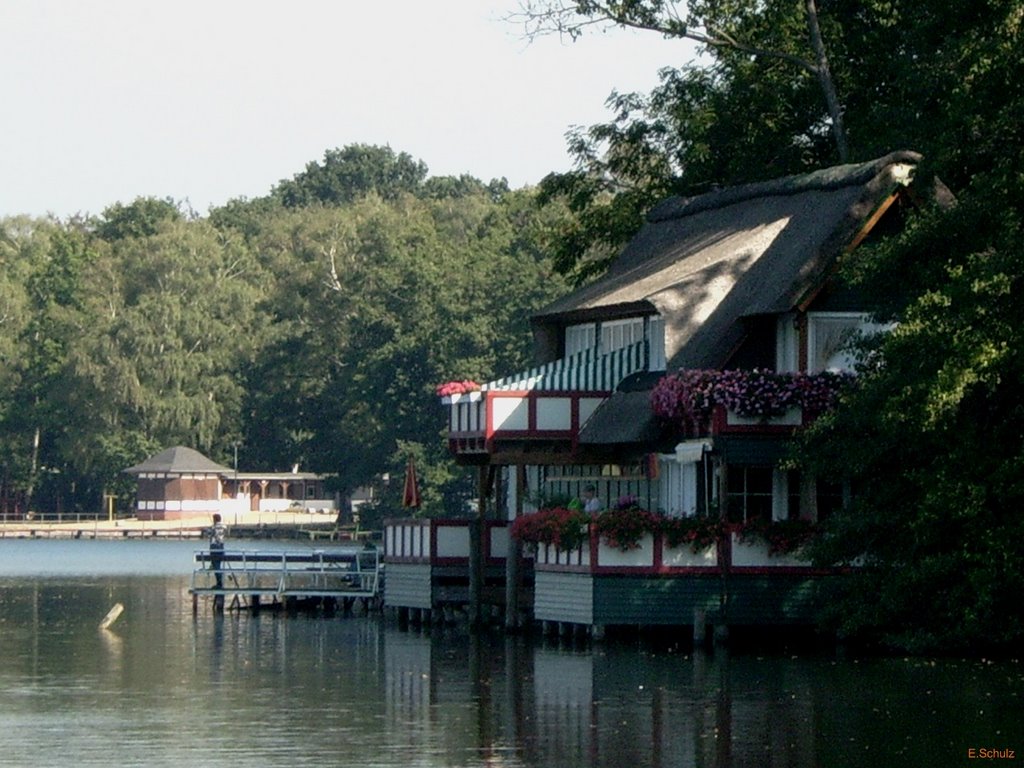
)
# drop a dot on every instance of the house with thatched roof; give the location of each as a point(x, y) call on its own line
point(182, 483)
point(733, 293)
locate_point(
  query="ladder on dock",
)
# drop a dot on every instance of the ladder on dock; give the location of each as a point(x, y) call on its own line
point(249, 577)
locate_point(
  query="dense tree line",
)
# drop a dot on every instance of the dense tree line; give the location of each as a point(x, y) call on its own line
point(932, 440)
point(307, 327)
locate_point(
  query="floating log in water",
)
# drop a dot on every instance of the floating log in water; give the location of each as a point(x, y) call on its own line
point(112, 616)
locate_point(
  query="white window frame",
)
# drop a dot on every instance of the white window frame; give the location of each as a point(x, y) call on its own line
point(579, 338)
point(617, 334)
point(851, 324)
point(787, 344)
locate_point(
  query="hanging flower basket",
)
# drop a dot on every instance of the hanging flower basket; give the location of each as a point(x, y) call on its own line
point(783, 537)
point(687, 398)
point(564, 528)
point(450, 388)
point(623, 526)
point(699, 532)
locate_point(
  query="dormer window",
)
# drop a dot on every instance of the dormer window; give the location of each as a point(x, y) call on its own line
point(829, 339)
point(830, 336)
point(611, 335)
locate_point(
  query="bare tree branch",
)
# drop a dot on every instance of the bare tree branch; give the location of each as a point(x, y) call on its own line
point(828, 86)
point(567, 18)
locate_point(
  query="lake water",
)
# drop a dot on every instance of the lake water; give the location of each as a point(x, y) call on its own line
point(164, 688)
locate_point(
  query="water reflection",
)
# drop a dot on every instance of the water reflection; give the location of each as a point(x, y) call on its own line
point(624, 705)
point(162, 688)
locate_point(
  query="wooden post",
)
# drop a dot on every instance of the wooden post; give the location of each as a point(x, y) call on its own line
point(476, 569)
point(700, 627)
point(721, 627)
point(513, 572)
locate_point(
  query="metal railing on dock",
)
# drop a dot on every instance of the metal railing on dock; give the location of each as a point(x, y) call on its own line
point(280, 576)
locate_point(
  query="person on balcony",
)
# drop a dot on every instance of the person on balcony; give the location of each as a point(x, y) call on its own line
point(590, 501)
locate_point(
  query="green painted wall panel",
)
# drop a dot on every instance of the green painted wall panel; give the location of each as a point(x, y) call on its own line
point(653, 601)
point(772, 600)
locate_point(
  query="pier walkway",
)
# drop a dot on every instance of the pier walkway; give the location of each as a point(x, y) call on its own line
point(245, 579)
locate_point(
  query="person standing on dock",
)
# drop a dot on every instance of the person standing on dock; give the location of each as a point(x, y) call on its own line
point(217, 532)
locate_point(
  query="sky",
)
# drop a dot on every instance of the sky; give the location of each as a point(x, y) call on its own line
point(204, 101)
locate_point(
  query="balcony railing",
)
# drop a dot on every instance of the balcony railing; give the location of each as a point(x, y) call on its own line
point(550, 401)
point(653, 555)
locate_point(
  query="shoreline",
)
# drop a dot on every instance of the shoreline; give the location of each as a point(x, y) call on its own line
point(284, 524)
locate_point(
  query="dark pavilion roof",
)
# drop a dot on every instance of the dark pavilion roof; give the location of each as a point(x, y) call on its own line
point(179, 460)
point(706, 263)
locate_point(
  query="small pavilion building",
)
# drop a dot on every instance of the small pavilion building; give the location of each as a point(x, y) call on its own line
point(182, 483)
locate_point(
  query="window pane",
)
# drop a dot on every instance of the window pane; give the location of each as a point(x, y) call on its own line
point(735, 508)
point(759, 507)
point(617, 334)
point(579, 338)
point(793, 495)
point(759, 480)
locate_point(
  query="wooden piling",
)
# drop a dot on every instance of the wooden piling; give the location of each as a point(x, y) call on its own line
point(513, 577)
point(700, 627)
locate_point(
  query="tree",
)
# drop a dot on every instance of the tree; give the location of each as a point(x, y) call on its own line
point(736, 117)
point(23, 245)
point(380, 301)
point(718, 25)
point(173, 321)
point(939, 418)
point(141, 218)
point(50, 264)
point(352, 172)
point(936, 464)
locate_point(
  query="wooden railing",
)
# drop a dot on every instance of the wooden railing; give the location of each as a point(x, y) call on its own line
point(288, 574)
point(441, 541)
point(655, 556)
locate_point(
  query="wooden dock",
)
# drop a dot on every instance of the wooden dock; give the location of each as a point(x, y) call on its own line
point(254, 579)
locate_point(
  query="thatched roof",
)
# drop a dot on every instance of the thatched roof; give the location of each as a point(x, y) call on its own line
point(703, 263)
point(706, 263)
point(179, 460)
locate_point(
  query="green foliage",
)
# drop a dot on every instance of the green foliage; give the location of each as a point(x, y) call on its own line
point(378, 301)
point(307, 333)
point(142, 218)
point(562, 527)
point(940, 439)
point(352, 172)
point(740, 114)
point(940, 422)
point(624, 525)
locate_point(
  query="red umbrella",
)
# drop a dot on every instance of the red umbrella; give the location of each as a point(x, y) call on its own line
point(411, 492)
